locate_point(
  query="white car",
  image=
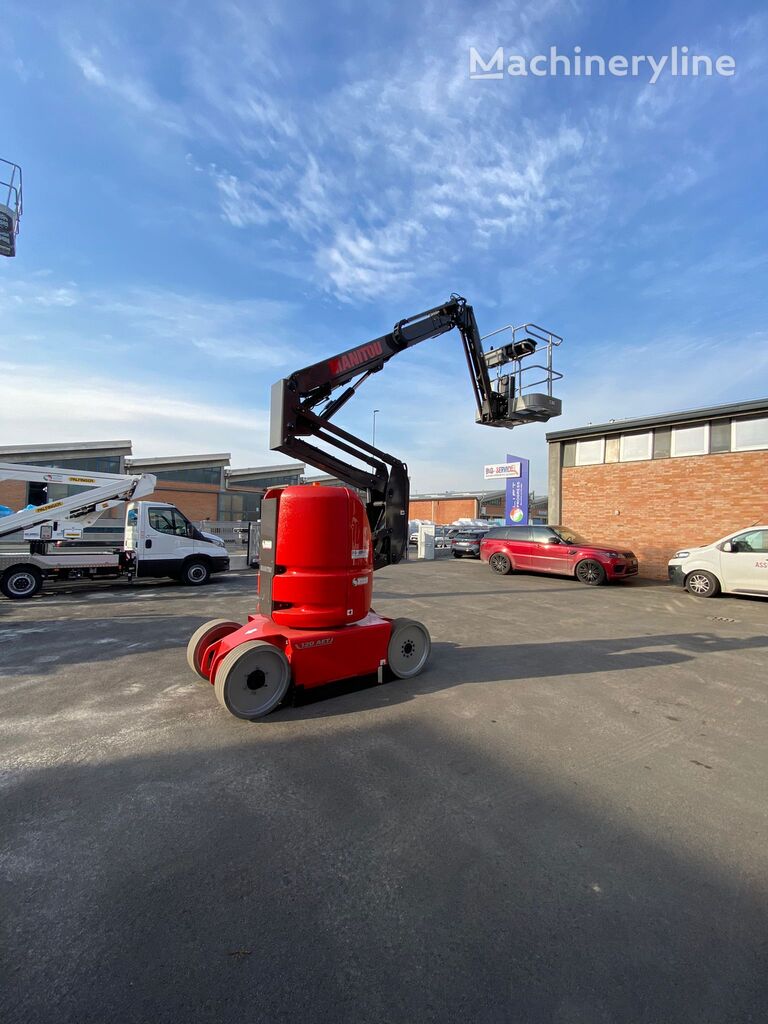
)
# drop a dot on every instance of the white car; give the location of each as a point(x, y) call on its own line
point(736, 564)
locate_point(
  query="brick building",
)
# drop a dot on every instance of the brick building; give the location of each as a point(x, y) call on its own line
point(193, 482)
point(661, 483)
point(446, 508)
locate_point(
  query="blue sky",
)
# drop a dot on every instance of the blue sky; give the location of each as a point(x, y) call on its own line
point(219, 193)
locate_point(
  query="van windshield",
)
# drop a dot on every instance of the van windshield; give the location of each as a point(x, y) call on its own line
point(569, 536)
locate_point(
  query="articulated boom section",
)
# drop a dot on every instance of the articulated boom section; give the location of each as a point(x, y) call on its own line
point(304, 404)
point(105, 490)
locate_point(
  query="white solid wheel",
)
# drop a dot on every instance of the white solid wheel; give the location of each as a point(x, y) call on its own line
point(252, 679)
point(409, 647)
point(202, 639)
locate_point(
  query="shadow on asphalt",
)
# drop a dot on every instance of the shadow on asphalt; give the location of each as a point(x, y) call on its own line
point(37, 646)
point(391, 875)
point(453, 665)
point(89, 593)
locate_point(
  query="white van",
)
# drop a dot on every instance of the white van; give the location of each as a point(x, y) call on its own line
point(736, 564)
point(159, 541)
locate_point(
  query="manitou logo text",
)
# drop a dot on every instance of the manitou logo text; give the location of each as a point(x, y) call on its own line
point(358, 356)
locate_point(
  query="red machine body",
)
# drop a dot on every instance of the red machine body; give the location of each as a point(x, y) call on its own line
point(315, 623)
point(315, 589)
point(320, 559)
point(316, 656)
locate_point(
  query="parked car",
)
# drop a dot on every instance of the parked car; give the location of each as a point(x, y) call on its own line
point(467, 543)
point(555, 549)
point(736, 564)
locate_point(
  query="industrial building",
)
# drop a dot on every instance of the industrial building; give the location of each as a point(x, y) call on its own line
point(204, 487)
point(661, 483)
point(450, 506)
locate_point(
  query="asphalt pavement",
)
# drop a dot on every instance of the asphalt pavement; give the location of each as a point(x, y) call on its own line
point(563, 819)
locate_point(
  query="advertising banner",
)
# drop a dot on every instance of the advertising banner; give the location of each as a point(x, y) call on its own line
point(516, 509)
point(501, 470)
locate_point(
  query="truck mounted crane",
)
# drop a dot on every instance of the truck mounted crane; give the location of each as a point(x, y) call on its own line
point(319, 546)
point(158, 540)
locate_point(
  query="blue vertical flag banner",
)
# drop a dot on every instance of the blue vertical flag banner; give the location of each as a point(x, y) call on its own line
point(516, 510)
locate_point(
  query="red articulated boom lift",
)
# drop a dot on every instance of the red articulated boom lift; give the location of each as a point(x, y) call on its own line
point(320, 545)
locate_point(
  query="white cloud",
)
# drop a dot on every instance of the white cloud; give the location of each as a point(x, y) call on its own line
point(71, 406)
point(157, 326)
point(388, 174)
point(129, 87)
point(396, 169)
point(176, 373)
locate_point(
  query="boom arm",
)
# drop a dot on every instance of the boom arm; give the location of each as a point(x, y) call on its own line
point(295, 414)
point(105, 491)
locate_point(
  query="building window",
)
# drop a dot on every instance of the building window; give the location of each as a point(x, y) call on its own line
point(103, 464)
point(590, 453)
point(230, 507)
point(749, 435)
point(239, 507)
point(278, 480)
point(636, 447)
point(720, 437)
point(690, 440)
point(612, 449)
point(201, 475)
point(662, 443)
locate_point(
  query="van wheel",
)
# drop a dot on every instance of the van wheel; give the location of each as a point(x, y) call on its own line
point(590, 571)
point(22, 582)
point(195, 573)
point(500, 564)
point(702, 583)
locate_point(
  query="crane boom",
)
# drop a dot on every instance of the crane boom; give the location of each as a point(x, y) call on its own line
point(303, 405)
point(105, 490)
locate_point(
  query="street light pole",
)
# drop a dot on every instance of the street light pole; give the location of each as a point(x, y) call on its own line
point(373, 436)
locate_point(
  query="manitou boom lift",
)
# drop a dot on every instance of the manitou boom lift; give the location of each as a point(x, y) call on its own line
point(158, 540)
point(320, 545)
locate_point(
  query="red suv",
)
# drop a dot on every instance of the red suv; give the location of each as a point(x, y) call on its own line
point(554, 549)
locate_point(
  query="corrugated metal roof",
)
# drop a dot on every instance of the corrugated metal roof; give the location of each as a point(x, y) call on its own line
point(283, 467)
point(70, 446)
point(179, 461)
point(451, 495)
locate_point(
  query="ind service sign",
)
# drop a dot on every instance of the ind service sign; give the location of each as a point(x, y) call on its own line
point(515, 472)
